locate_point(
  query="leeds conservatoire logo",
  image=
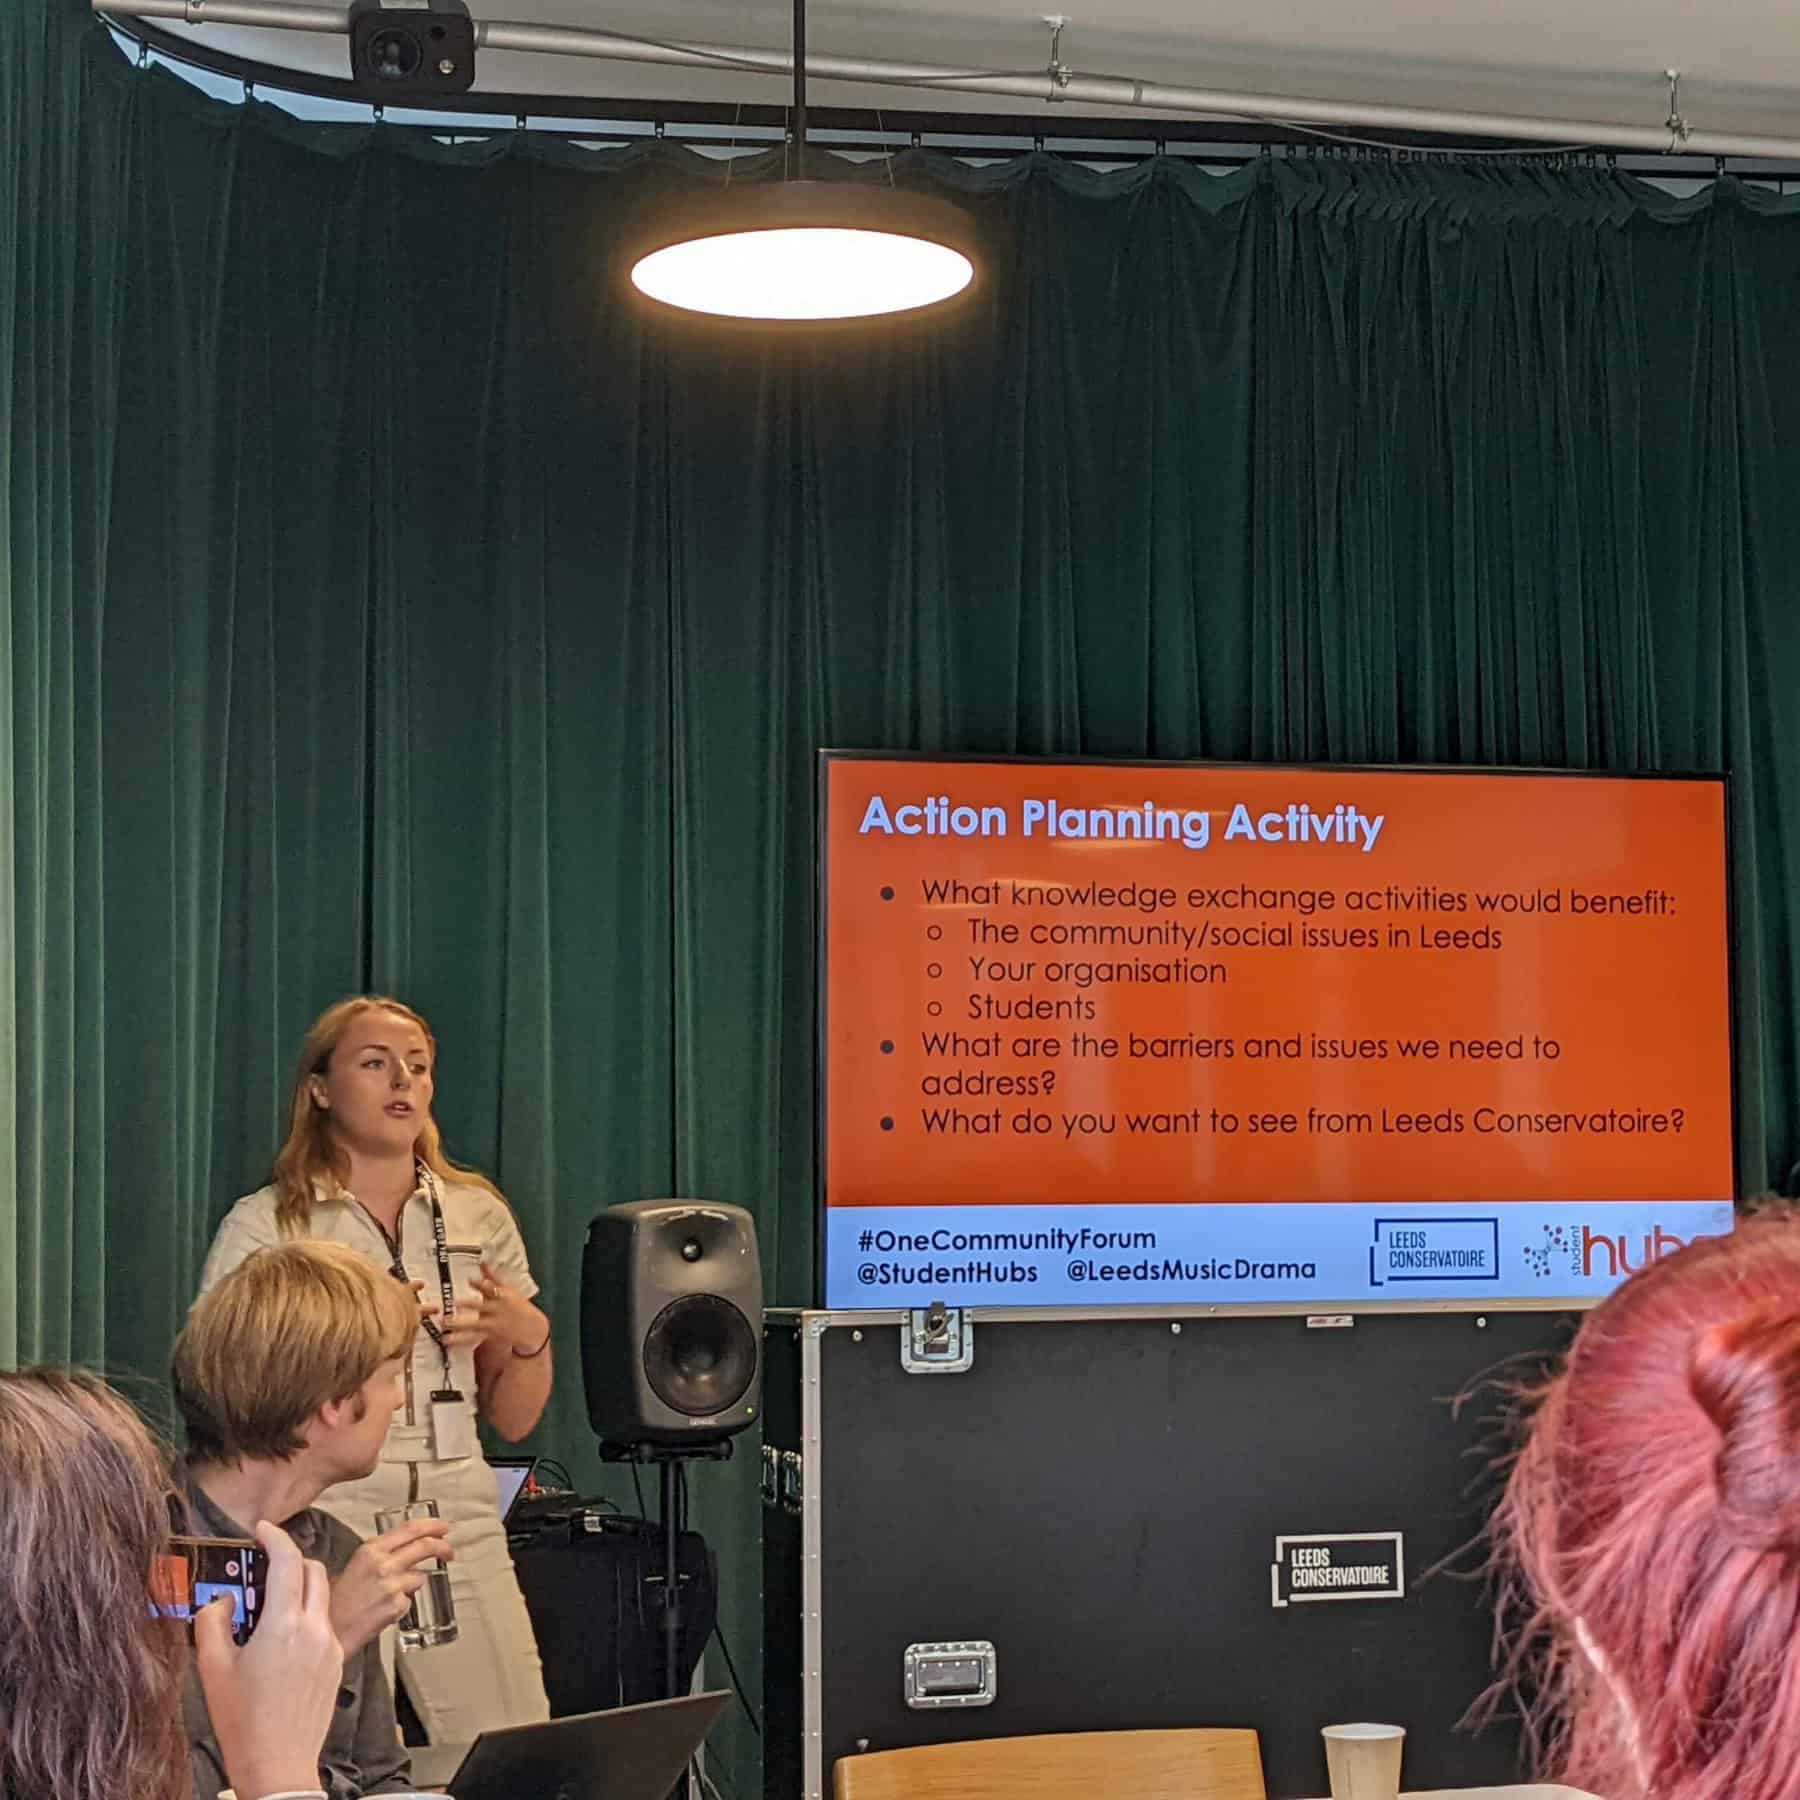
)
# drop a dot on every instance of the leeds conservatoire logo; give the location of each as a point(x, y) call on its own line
point(1352, 1565)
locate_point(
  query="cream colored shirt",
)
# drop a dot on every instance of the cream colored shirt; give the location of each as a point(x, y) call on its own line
point(478, 1227)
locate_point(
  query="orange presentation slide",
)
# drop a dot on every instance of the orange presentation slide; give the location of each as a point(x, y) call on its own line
point(1103, 984)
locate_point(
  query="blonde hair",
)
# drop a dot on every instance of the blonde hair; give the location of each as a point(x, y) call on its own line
point(291, 1328)
point(312, 1156)
point(90, 1683)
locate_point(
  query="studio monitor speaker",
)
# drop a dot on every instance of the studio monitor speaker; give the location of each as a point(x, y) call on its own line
point(671, 1322)
point(408, 49)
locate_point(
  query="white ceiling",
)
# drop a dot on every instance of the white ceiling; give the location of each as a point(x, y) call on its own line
point(1602, 60)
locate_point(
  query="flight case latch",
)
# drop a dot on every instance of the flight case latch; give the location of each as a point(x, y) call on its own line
point(937, 1340)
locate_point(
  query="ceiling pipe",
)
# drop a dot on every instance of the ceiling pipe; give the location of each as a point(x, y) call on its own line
point(1060, 86)
point(271, 15)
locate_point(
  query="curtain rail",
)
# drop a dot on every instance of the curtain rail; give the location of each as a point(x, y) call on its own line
point(1059, 86)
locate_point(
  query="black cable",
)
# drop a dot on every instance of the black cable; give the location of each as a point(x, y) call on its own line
point(798, 163)
point(749, 1710)
point(638, 1488)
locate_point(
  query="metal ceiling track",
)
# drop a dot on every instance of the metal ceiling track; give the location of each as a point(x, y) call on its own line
point(1057, 84)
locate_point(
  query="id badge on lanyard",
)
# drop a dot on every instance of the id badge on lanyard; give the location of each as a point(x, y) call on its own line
point(452, 1421)
point(452, 1426)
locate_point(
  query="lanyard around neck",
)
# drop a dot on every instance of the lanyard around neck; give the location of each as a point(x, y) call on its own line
point(429, 1181)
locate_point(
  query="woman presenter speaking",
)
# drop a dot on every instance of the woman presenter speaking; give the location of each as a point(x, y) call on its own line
point(363, 1165)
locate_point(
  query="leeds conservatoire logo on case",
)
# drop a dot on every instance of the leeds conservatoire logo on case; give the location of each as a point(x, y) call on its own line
point(1353, 1565)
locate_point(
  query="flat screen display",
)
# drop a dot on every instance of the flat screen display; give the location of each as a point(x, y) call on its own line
point(1120, 1033)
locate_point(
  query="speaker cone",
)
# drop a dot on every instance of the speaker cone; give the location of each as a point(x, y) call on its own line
point(700, 1355)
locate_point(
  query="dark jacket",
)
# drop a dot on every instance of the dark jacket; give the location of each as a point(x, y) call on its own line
point(362, 1752)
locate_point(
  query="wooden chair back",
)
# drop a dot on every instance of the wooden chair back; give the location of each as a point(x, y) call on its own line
point(1076, 1765)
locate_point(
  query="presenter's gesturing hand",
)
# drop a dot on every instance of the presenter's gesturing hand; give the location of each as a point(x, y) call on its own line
point(380, 1580)
point(512, 1354)
point(496, 1314)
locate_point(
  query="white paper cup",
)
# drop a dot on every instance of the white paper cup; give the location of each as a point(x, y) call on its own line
point(1364, 1761)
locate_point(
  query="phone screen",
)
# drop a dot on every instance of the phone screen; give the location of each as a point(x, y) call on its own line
point(194, 1571)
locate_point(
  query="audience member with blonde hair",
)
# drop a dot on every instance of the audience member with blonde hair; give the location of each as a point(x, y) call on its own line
point(1649, 1536)
point(364, 1166)
point(90, 1681)
point(286, 1375)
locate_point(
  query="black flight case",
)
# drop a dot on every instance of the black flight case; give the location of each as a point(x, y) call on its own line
point(993, 1523)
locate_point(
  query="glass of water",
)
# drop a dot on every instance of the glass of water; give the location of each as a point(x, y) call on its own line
point(431, 1619)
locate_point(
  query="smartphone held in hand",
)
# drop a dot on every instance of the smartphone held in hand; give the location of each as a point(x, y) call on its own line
point(195, 1571)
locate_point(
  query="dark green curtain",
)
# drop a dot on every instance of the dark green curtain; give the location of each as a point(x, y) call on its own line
point(385, 604)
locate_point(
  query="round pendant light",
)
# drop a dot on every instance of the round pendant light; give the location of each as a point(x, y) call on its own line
point(802, 251)
point(807, 251)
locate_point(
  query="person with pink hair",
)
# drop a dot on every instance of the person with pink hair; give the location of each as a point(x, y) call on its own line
point(1648, 1540)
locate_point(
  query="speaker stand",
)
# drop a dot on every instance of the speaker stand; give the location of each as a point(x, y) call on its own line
point(671, 1461)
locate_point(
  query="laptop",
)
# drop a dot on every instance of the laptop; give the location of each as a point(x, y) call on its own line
point(624, 1753)
point(510, 1476)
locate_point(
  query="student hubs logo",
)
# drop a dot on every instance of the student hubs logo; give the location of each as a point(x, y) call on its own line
point(1580, 1250)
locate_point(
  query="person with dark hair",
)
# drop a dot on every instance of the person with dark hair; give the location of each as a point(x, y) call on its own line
point(1648, 1540)
point(364, 1166)
point(286, 1374)
point(90, 1680)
